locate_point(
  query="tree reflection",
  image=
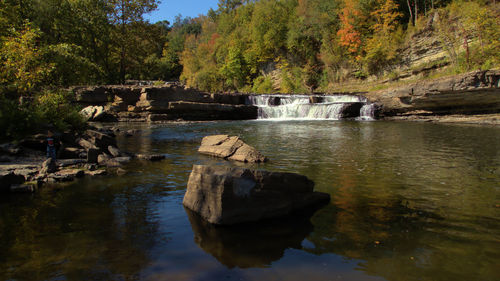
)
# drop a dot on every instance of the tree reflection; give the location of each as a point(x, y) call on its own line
point(97, 231)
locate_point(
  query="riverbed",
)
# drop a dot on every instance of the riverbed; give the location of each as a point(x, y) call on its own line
point(410, 201)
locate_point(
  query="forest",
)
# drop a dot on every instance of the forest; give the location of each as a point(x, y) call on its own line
point(287, 46)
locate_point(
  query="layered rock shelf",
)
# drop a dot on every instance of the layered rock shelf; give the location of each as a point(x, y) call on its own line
point(168, 102)
point(468, 94)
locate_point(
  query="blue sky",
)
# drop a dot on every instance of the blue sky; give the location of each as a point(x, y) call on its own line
point(168, 9)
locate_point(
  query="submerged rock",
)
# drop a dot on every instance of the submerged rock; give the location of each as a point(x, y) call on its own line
point(230, 147)
point(224, 195)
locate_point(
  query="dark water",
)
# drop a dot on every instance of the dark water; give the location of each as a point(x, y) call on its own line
point(410, 201)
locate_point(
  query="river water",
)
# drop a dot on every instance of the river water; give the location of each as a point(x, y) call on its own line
point(410, 201)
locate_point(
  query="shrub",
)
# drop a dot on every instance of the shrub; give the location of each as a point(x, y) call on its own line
point(262, 85)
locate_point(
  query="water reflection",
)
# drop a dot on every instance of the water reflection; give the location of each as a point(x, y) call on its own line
point(85, 231)
point(252, 244)
point(410, 201)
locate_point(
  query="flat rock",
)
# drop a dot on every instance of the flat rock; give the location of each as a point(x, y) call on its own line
point(67, 175)
point(225, 195)
point(70, 162)
point(230, 147)
point(96, 173)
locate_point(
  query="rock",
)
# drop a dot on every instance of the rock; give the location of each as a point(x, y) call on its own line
point(115, 152)
point(96, 173)
point(8, 178)
point(130, 133)
point(92, 155)
point(70, 153)
point(99, 113)
point(274, 101)
point(316, 99)
point(234, 99)
point(49, 166)
point(86, 144)
point(100, 139)
point(351, 109)
point(103, 158)
point(470, 93)
point(91, 167)
point(70, 162)
point(88, 112)
point(123, 159)
point(150, 157)
point(23, 188)
point(67, 175)
point(211, 111)
point(224, 195)
point(27, 173)
point(158, 117)
point(120, 171)
point(232, 148)
point(92, 95)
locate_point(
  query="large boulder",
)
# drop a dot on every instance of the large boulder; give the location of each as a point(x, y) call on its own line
point(225, 195)
point(230, 147)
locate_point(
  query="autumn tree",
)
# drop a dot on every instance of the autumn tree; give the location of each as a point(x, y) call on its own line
point(349, 35)
point(382, 47)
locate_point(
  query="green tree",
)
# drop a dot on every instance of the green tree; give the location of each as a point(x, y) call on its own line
point(22, 69)
point(127, 16)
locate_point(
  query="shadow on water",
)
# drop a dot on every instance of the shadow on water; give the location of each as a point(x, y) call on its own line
point(250, 245)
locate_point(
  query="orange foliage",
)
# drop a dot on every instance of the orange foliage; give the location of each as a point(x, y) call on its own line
point(349, 36)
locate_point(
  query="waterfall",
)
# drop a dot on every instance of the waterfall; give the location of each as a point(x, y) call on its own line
point(367, 112)
point(313, 107)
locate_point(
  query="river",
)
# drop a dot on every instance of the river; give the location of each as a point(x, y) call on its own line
point(410, 201)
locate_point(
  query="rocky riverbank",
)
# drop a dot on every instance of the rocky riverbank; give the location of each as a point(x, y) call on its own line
point(467, 98)
point(24, 166)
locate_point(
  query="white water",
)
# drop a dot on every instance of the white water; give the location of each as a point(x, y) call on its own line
point(299, 107)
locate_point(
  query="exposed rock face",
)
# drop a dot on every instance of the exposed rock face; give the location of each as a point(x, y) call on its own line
point(471, 93)
point(168, 102)
point(223, 195)
point(157, 99)
point(351, 109)
point(232, 148)
point(211, 111)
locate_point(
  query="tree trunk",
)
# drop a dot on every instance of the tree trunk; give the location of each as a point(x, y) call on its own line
point(411, 13)
point(416, 11)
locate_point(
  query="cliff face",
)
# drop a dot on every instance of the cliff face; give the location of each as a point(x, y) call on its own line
point(471, 93)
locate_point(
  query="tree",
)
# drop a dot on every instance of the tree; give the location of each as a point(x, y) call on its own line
point(381, 48)
point(350, 37)
point(22, 69)
point(125, 15)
